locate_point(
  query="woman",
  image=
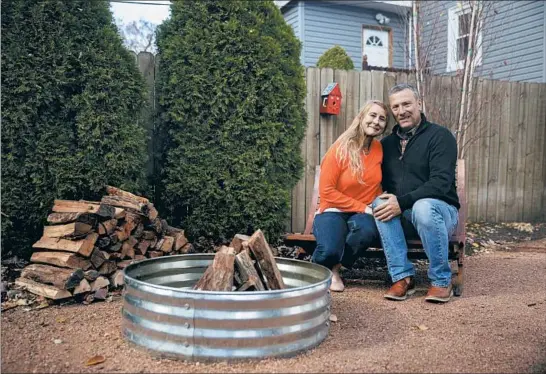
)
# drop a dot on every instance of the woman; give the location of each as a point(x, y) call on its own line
point(350, 179)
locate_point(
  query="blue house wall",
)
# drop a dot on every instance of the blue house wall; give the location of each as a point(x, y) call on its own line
point(322, 25)
point(514, 39)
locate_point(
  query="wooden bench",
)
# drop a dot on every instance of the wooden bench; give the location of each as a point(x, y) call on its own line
point(307, 240)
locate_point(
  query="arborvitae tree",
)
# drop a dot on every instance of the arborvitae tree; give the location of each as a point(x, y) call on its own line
point(231, 91)
point(335, 58)
point(71, 98)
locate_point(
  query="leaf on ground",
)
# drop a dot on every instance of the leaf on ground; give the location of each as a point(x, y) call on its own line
point(43, 305)
point(333, 318)
point(57, 341)
point(61, 320)
point(98, 359)
point(475, 245)
point(422, 327)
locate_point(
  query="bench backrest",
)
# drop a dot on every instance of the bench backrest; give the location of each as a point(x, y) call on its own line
point(458, 236)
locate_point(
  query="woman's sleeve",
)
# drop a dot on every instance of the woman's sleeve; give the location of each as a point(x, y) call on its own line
point(330, 170)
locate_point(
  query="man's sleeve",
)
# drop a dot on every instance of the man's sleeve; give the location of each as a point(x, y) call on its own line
point(442, 163)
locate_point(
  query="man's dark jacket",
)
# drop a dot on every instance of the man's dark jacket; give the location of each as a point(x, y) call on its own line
point(427, 168)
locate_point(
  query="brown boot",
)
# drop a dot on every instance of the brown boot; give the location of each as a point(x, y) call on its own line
point(401, 290)
point(439, 294)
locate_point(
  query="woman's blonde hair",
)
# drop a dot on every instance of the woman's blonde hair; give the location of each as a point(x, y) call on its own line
point(350, 143)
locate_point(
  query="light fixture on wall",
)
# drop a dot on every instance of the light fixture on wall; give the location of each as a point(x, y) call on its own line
point(382, 19)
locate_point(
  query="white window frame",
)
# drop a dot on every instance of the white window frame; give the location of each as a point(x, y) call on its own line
point(452, 35)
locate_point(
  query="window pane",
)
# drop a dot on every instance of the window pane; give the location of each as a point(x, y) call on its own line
point(464, 24)
point(462, 48)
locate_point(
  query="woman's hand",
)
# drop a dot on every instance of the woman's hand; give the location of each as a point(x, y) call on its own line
point(389, 209)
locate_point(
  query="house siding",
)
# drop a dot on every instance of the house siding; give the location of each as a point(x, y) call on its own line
point(513, 39)
point(320, 26)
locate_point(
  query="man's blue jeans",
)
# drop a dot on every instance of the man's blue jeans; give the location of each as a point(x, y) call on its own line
point(341, 236)
point(434, 220)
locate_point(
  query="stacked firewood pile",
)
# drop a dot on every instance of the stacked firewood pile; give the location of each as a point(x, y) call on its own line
point(246, 265)
point(87, 244)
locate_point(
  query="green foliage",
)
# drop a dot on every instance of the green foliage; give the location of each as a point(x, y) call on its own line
point(71, 98)
point(231, 91)
point(335, 58)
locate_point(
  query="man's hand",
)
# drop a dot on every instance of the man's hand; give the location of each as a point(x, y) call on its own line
point(389, 209)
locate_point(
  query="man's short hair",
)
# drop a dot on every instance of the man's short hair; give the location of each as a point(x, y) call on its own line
point(404, 86)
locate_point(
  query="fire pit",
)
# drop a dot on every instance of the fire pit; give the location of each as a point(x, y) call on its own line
point(164, 315)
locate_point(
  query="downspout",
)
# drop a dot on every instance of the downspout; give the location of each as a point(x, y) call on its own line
point(301, 21)
point(544, 41)
point(410, 40)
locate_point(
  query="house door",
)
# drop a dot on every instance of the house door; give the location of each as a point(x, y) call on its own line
point(376, 47)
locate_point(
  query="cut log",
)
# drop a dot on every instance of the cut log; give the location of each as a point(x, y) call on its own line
point(107, 268)
point(152, 212)
point(97, 258)
point(58, 218)
point(126, 203)
point(107, 227)
point(140, 257)
point(188, 248)
point(149, 235)
point(105, 254)
point(131, 222)
point(138, 231)
point(116, 280)
point(180, 240)
point(68, 230)
point(142, 247)
point(220, 277)
point(262, 253)
point(83, 247)
point(115, 248)
point(153, 254)
point(82, 206)
point(123, 264)
point(101, 293)
point(156, 226)
point(250, 285)
point(65, 279)
point(167, 245)
point(114, 191)
point(44, 290)
point(237, 242)
point(91, 275)
point(82, 287)
point(116, 256)
point(127, 249)
point(104, 242)
point(63, 259)
point(170, 230)
point(247, 272)
point(100, 282)
point(159, 244)
point(119, 213)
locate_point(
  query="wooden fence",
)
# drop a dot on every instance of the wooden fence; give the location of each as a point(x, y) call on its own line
point(506, 164)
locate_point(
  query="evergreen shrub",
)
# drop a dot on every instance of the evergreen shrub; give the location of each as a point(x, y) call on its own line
point(335, 58)
point(71, 98)
point(231, 92)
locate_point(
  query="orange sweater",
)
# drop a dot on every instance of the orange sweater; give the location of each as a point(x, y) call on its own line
point(338, 188)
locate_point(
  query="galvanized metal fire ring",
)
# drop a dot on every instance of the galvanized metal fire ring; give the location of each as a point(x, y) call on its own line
point(162, 314)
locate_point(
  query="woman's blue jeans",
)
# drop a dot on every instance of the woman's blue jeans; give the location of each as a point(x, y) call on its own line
point(434, 220)
point(341, 236)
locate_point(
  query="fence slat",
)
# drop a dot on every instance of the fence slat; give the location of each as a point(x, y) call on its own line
point(365, 87)
point(340, 76)
point(485, 122)
point(326, 120)
point(352, 105)
point(503, 147)
point(530, 151)
point(514, 118)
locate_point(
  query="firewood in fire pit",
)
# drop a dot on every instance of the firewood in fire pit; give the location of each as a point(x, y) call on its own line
point(261, 251)
point(247, 273)
point(220, 273)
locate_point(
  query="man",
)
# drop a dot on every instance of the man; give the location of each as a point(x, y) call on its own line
point(419, 160)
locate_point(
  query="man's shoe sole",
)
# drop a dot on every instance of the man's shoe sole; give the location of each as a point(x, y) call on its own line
point(435, 299)
point(400, 298)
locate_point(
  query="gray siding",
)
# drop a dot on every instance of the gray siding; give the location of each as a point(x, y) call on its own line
point(513, 39)
point(328, 24)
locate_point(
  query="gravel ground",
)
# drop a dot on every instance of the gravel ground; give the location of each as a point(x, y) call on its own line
point(498, 325)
